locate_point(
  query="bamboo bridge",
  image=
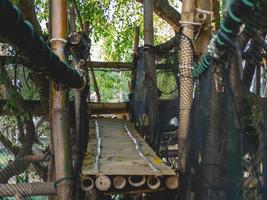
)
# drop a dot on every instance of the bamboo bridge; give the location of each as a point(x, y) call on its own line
point(141, 152)
point(108, 167)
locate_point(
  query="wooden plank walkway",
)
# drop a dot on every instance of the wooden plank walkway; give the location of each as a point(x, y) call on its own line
point(115, 148)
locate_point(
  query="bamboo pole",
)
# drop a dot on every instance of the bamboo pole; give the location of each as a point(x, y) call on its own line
point(258, 80)
point(186, 93)
point(136, 40)
point(186, 80)
point(59, 115)
point(151, 78)
point(34, 107)
point(115, 65)
point(263, 143)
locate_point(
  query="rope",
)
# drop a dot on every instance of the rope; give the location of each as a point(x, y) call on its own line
point(155, 85)
point(190, 24)
point(34, 47)
point(199, 10)
point(71, 178)
point(58, 40)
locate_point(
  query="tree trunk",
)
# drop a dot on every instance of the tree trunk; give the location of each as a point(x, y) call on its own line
point(164, 10)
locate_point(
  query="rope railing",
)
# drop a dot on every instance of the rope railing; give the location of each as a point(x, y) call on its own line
point(236, 15)
point(21, 33)
point(28, 189)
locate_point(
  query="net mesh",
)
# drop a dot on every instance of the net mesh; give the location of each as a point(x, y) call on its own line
point(229, 142)
point(13, 166)
point(168, 91)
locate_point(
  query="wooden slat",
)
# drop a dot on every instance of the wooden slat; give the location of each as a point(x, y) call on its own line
point(118, 153)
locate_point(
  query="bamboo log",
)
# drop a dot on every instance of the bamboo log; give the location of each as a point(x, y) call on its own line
point(119, 182)
point(137, 181)
point(153, 182)
point(172, 182)
point(87, 184)
point(103, 183)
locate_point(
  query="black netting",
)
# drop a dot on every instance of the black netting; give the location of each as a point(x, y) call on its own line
point(168, 91)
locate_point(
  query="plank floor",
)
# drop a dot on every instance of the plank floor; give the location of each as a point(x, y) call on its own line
point(115, 148)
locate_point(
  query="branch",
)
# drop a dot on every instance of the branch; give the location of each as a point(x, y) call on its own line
point(17, 106)
point(8, 144)
point(167, 46)
point(164, 10)
point(27, 9)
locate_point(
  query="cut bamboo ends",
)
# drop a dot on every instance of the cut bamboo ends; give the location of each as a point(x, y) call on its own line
point(87, 184)
point(137, 181)
point(172, 182)
point(103, 183)
point(153, 182)
point(119, 182)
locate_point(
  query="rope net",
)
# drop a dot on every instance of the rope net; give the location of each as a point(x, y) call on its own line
point(228, 116)
point(168, 91)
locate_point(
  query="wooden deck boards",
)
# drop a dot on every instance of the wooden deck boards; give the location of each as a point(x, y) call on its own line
point(118, 153)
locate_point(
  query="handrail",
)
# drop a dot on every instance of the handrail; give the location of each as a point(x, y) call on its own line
point(21, 33)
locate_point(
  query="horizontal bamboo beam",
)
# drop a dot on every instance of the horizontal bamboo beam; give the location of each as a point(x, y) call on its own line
point(99, 65)
point(122, 65)
point(115, 65)
point(108, 108)
point(27, 189)
point(35, 108)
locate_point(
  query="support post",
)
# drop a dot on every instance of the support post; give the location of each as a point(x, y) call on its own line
point(59, 112)
point(264, 155)
point(186, 93)
point(186, 79)
point(151, 78)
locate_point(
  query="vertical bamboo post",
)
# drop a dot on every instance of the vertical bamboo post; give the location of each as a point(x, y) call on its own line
point(263, 144)
point(258, 80)
point(186, 92)
point(210, 159)
point(59, 112)
point(151, 78)
point(136, 40)
point(186, 79)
